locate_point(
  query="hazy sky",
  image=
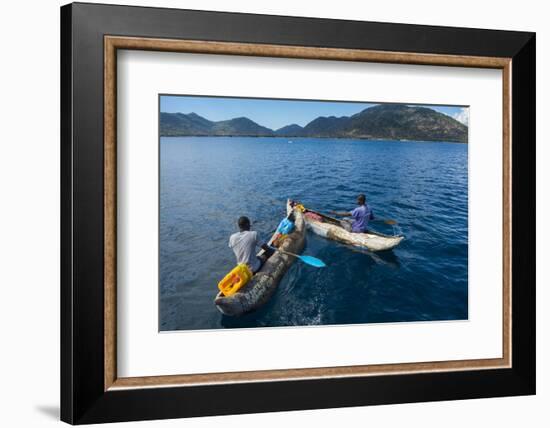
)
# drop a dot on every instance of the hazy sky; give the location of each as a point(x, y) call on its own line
point(274, 113)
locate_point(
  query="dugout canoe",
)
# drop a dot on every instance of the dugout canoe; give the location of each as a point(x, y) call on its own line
point(264, 283)
point(331, 228)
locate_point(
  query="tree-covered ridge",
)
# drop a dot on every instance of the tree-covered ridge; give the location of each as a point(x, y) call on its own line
point(384, 121)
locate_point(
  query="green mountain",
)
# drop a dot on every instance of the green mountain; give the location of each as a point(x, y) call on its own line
point(180, 124)
point(391, 122)
point(327, 127)
point(241, 126)
point(290, 131)
point(384, 121)
point(398, 122)
point(184, 124)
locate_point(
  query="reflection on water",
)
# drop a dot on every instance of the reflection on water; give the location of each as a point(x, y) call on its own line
point(207, 183)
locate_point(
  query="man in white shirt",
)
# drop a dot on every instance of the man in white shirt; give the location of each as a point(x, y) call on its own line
point(244, 244)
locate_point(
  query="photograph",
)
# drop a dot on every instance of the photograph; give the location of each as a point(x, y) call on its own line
point(286, 212)
point(294, 213)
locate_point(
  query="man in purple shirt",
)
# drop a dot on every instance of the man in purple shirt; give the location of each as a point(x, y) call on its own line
point(361, 216)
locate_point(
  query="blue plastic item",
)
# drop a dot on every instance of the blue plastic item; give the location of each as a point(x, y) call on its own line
point(285, 227)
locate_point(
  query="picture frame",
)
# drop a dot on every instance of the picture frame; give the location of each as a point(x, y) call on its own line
point(91, 391)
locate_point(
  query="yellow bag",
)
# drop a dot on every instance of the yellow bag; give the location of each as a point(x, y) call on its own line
point(235, 280)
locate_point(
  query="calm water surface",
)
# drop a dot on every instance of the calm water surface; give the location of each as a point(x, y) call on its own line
point(207, 183)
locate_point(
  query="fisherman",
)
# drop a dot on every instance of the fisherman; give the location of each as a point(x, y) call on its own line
point(361, 216)
point(244, 244)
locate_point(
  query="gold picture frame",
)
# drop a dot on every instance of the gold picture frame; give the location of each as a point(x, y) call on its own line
point(114, 43)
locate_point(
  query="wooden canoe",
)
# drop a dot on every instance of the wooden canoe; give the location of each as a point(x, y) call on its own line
point(264, 283)
point(331, 228)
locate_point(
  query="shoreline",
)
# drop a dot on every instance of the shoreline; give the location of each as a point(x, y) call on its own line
point(331, 138)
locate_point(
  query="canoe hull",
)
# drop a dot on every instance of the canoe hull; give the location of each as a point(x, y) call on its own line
point(263, 284)
point(369, 241)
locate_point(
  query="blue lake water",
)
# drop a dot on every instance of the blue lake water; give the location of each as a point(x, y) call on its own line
point(206, 183)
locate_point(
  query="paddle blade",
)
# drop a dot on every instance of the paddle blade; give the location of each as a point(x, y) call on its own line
point(312, 261)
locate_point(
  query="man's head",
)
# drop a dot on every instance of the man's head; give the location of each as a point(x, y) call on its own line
point(361, 199)
point(244, 223)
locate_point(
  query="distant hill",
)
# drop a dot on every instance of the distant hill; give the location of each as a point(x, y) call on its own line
point(290, 131)
point(398, 121)
point(184, 124)
point(180, 124)
point(241, 126)
point(327, 127)
point(384, 121)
